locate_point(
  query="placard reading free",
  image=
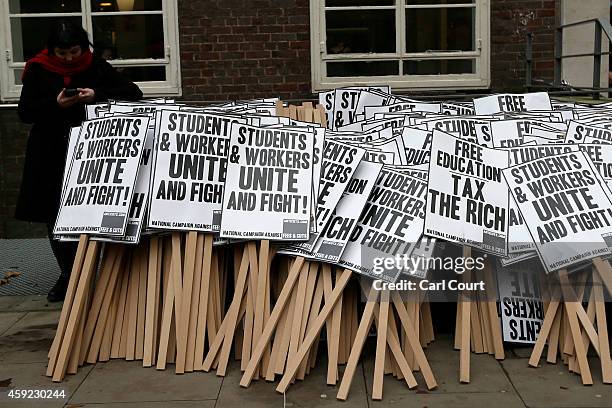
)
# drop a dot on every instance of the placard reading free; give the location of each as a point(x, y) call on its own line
point(102, 175)
point(269, 184)
point(467, 198)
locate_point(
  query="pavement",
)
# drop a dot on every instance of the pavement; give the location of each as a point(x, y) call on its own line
point(27, 326)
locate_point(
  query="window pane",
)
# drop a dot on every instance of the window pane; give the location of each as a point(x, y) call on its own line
point(440, 29)
point(127, 36)
point(29, 34)
point(126, 5)
point(362, 68)
point(18, 73)
point(44, 6)
point(141, 74)
point(360, 31)
point(440, 67)
point(354, 3)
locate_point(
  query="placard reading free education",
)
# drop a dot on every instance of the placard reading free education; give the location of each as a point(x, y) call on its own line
point(191, 162)
point(467, 198)
point(103, 170)
point(269, 184)
point(565, 207)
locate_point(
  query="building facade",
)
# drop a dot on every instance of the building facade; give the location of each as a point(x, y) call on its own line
point(213, 50)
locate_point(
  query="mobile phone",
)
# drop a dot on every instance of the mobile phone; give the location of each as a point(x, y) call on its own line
point(71, 92)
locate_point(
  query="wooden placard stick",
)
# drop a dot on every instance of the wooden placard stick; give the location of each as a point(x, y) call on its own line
point(133, 303)
point(553, 340)
point(301, 113)
point(334, 340)
point(105, 348)
point(602, 329)
point(194, 307)
point(153, 275)
point(323, 120)
point(250, 306)
point(491, 293)
point(224, 338)
point(75, 353)
point(260, 298)
point(280, 345)
point(413, 341)
point(283, 346)
point(457, 341)
point(293, 112)
point(202, 315)
point(75, 274)
point(293, 364)
point(166, 323)
point(143, 248)
point(216, 294)
point(362, 334)
point(280, 304)
point(605, 272)
point(300, 295)
point(268, 291)
point(177, 279)
point(476, 328)
point(572, 317)
point(121, 307)
point(381, 345)
point(77, 308)
point(182, 320)
point(313, 311)
point(96, 342)
point(394, 347)
point(306, 311)
point(464, 352)
point(332, 365)
point(102, 286)
point(428, 322)
point(549, 318)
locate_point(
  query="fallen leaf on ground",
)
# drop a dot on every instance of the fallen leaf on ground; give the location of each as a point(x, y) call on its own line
point(11, 274)
point(6, 383)
point(4, 282)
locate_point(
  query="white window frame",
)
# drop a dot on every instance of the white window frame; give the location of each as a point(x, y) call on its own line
point(10, 91)
point(480, 79)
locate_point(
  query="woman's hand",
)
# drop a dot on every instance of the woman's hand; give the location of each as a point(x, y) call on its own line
point(86, 95)
point(67, 101)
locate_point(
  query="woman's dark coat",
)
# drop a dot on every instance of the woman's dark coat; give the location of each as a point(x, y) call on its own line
point(48, 142)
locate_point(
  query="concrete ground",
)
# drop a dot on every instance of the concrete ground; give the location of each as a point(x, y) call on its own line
point(27, 325)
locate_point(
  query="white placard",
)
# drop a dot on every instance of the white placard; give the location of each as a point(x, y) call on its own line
point(189, 175)
point(512, 103)
point(467, 198)
point(522, 310)
point(100, 182)
point(268, 187)
point(565, 207)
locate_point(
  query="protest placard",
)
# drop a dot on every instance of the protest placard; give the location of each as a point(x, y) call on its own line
point(467, 199)
point(268, 186)
point(334, 236)
point(190, 167)
point(577, 132)
point(522, 310)
point(390, 225)
point(416, 144)
point(565, 207)
point(100, 182)
point(512, 103)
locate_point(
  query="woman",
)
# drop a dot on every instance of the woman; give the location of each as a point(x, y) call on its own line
point(67, 62)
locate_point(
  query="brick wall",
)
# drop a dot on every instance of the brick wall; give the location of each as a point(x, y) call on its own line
point(511, 20)
point(237, 49)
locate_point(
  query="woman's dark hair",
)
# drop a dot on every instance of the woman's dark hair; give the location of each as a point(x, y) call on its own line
point(67, 35)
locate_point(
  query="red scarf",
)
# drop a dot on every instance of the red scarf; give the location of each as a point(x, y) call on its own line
point(60, 66)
